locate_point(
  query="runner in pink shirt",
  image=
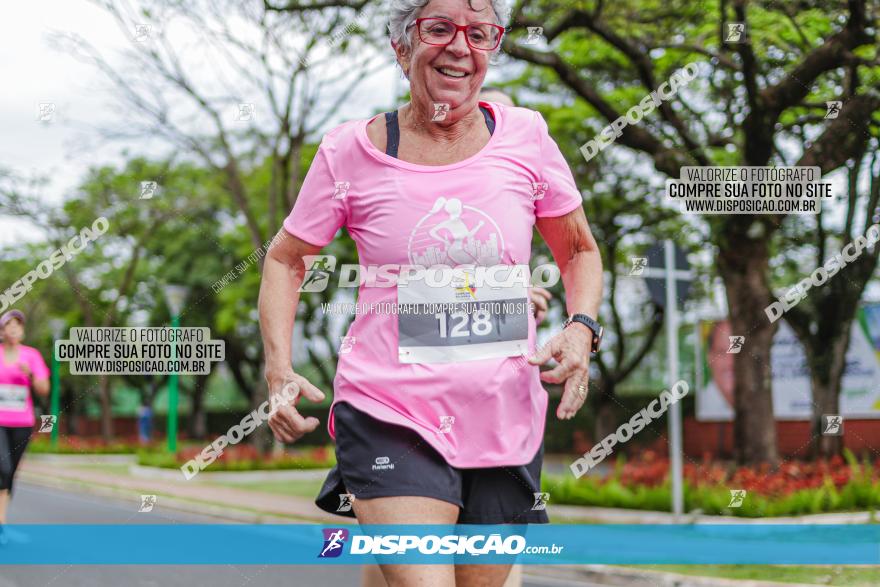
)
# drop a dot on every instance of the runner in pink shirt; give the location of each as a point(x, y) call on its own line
point(459, 218)
point(22, 369)
point(438, 409)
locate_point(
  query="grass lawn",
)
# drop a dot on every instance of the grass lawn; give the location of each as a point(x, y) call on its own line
point(112, 468)
point(850, 576)
point(297, 488)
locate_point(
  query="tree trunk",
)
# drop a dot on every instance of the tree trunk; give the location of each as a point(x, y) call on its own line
point(262, 436)
point(70, 411)
point(606, 411)
point(744, 269)
point(236, 361)
point(826, 376)
point(823, 324)
point(106, 408)
point(198, 423)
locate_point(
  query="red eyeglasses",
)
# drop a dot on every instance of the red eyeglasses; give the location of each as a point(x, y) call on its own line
point(483, 36)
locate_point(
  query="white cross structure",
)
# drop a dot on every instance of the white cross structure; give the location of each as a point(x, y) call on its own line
point(660, 273)
point(668, 274)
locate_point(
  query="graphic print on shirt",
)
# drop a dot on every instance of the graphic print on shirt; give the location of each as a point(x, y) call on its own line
point(452, 233)
point(460, 320)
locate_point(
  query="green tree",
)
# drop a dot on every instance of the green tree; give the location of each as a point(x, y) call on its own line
point(251, 135)
point(823, 321)
point(610, 55)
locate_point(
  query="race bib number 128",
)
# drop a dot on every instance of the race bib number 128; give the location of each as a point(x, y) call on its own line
point(464, 320)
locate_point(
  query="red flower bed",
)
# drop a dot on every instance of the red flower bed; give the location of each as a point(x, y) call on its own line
point(91, 445)
point(236, 452)
point(790, 476)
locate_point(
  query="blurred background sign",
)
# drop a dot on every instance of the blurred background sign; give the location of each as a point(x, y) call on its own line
point(655, 274)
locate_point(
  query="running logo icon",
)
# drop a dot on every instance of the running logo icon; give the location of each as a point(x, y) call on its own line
point(340, 189)
point(638, 265)
point(735, 32)
point(148, 189)
point(736, 344)
point(318, 273)
point(446, 423)
point(245, 112)
point(440, 111)
point(737, 497)
point(539, 190)
point(346, 345)
point(142, 32)
point(832, 425)
point(47, 423)
point(534, 34)
point(541, 500)
point(147, 503)
point(346, 501)
point(833, 107)
point(334, 540)
point(46, 111)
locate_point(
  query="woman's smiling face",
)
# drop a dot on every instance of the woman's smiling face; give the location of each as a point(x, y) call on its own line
point(13, 331)
point(452, 74)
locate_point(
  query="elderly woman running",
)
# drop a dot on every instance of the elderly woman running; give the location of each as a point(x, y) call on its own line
point(438, 417)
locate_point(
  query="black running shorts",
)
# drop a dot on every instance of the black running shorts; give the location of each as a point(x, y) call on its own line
point(379, 459)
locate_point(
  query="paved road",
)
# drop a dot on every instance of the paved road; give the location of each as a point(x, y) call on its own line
point(39, 505)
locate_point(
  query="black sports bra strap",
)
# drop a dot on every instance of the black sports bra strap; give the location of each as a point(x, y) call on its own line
point(490, 122)
point(392, 130)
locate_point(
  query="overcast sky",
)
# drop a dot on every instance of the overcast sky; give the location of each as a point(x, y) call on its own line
point(35, 73)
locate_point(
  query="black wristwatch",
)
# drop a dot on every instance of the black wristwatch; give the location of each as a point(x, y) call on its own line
point(597, 329)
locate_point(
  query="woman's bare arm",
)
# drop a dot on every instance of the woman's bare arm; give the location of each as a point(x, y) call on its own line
point(577, 256)
point(283, 273)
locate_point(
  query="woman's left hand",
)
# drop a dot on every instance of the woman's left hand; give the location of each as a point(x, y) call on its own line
point(571, 348)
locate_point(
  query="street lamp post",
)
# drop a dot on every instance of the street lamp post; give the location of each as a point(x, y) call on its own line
point(57, 326)
point(174, 296)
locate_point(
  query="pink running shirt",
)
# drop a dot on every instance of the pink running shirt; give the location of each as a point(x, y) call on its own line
point(16, 405)
point(497, 405)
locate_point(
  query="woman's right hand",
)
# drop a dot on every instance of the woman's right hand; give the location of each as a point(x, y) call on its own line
point(285, 421)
